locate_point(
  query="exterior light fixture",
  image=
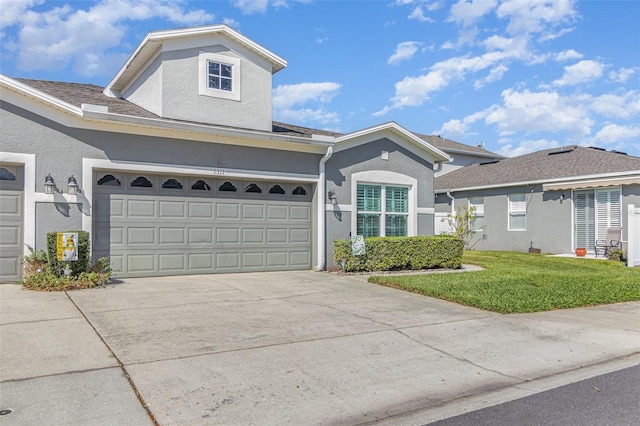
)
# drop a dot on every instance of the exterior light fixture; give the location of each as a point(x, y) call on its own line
point(332, 197)
point(72, 186)
point(49, 185)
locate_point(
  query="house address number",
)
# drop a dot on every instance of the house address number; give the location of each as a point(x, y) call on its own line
point(218, 172)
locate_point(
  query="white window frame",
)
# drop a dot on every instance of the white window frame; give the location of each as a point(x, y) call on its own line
point(203, 66)
point(479, 210)
point(385, 178)
point(517, 208)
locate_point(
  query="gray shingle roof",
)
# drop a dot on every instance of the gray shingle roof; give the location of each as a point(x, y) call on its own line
point(558, 163)
point(448, 145)
point(79, 93)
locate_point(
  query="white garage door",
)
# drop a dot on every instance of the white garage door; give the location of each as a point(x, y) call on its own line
point(153, 225)
point(11, 222)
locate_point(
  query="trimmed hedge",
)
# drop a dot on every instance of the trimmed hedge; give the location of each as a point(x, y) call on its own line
point(401, 253)
point(76, 267)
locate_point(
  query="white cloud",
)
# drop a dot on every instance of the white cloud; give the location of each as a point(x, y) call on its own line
point(613, 133)
point(622, 75)
point(583, 72)
point(61, 37)
point(620, 106)
point(288, 95)
point(248, 7)
point(495, 74)
point(13, 11)
point(534, 112)
point(467, 13)
point(290, 102)
point(418, 14)
point(536, 16)
point(436, 5)
point(527, 147)
point(414, 91)
point(568, 55)
point(404, 51)
point(460, 128)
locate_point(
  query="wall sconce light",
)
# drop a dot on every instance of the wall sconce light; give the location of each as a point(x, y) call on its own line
point(50, 185)
point(561, 198)
point(72, 186)
point(332, 197)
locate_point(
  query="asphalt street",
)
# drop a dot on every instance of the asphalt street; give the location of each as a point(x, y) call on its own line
point(609, 399)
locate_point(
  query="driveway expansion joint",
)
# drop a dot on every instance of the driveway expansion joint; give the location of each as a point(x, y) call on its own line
point(145, 406)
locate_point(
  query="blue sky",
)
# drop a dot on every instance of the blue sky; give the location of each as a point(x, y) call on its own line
point(518, 75)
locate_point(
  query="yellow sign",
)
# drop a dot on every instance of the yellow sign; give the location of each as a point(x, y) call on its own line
point(67, 246)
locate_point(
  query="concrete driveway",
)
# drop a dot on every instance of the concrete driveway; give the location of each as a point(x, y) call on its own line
point(285, 348)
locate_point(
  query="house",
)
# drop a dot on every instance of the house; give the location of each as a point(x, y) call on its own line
point(556, 200)
point(176, 167)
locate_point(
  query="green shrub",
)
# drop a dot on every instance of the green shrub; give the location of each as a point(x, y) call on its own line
point(616, 254)
point(39, 274)
point(401, 253)
point(76, 267)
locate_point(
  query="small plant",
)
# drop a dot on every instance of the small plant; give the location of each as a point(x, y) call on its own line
point(616, 254)
point(39, 275)
point(463, 224)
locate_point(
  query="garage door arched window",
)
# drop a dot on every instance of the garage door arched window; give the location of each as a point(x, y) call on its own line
point(299, 191)
point(142, 182)
point(109, 180)
point(201, 186)
point(172, 184)
point(227, 187)
point(253, 188)
point(276, 189)
point(6, 174)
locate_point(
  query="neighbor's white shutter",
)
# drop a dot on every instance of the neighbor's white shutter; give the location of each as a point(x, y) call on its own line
point(607, 210)
point(584, 210)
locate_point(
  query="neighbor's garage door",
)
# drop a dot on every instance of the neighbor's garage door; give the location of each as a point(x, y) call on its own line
point(169, 225)
point(11, 222)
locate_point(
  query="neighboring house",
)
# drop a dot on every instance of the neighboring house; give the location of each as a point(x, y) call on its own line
point(462, 155)
point(181, 170)
point(555, 200)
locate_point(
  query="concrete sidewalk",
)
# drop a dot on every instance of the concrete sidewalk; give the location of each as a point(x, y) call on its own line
point(285, 348)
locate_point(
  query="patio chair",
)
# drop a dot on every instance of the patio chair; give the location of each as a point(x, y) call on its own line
point(612, 241)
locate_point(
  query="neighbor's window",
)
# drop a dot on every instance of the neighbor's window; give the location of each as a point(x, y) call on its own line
point(373, 212)
point(219, 76)
point(517, 212)
point(478, 204)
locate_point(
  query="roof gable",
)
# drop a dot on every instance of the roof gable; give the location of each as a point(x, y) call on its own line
point(154, 41)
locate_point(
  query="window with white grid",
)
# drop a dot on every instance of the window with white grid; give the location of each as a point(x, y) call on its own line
point(517, 212)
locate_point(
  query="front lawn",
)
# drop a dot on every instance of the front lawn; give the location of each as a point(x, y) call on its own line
point(522, 282)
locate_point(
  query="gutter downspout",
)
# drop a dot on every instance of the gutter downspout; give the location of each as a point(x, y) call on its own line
point(453, 208)
point(322, 216)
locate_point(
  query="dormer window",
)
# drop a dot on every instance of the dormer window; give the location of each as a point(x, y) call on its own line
point(219, 75)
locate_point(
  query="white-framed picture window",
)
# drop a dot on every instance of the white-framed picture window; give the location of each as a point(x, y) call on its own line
point(517, 212)
point(382, 210)
point(477, 203)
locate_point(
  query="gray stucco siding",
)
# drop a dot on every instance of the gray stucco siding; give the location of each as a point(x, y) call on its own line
point(548, 220)
point(59, 150)
point(170, 88)
point(367, 157)
point(56, 217)
point(343, 164)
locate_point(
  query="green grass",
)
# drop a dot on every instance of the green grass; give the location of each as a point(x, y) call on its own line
point(523, 282)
